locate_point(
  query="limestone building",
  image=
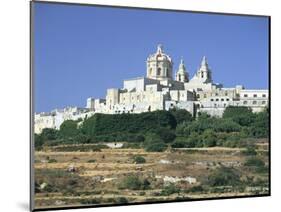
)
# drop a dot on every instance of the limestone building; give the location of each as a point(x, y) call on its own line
point(158, 90)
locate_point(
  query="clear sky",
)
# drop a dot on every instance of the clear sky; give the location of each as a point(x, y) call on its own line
point(80, 51)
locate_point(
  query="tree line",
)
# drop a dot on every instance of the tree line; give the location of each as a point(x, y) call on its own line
point(157, 130)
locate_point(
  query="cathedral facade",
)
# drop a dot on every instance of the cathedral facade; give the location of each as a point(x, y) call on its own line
point(161, 90)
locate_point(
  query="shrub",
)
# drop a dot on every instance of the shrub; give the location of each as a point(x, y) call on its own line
point(52, 160)
point(156, 147)
point(226, 125)
point(196, 189)
point(256, 164)
point(121, 200)
point(145, 184)
point(152, 138)
point(254, 161)
point(250, 150)
point(90, 201)
point(195, 140)
point(209, 138)
point(139, 159)
point(131, 146)
point(82, 139)
point(142, 193)
point(82, 148)
point(166, 135)
point(139, 138)
point(131, 182)
point(184, 142)
point(178, 144)
point(169, 189)
point(224, 176)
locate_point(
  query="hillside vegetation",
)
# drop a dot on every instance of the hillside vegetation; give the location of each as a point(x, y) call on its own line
point(155, 131)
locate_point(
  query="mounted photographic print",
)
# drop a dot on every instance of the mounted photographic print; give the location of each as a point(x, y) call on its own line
point(138, 105)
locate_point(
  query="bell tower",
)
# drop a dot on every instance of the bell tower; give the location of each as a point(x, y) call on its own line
point(182, 75)
point(204, 73)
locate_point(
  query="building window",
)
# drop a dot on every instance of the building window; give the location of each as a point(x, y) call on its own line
point(217, 100)
point(245, 95)
point(202, 75)
point(263, 95)
point(205, 95)
point(150, 71)
point(245, 102)
point(225, 93)
point(212, 100)
point(217, 94)
point(254, 102)
point(263, 102)
point(255, 95)
point(159, 71)
point(222, 100)
point(198, 96)
point(227, 99)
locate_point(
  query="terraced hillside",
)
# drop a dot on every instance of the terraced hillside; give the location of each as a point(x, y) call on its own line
point(75, 175)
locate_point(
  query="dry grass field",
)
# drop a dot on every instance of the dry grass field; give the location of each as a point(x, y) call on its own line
point(112, 176)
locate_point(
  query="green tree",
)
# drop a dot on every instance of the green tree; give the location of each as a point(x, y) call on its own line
point(209, 138)
point(181, 115)
point(166, 135)
point(68, 129)
point(38, 141)
point(224, 176)
point(49, 134)
point(241, 115)
point(260, 125)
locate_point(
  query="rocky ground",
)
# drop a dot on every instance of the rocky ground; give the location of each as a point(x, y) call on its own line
point(75, 178)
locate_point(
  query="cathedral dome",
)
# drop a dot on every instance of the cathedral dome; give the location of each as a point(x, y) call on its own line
point(159, 55)
point(159, 65)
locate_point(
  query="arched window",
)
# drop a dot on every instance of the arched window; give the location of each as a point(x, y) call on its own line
point(202, 74)
point(158, 71)
point(150, 71)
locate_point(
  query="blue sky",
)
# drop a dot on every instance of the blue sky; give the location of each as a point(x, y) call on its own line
point(81, 51)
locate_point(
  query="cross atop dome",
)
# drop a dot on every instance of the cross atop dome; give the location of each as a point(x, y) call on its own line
point(182, 66)
point(159, 48)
